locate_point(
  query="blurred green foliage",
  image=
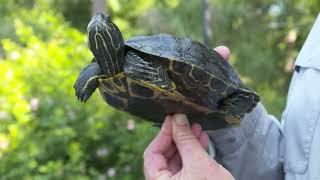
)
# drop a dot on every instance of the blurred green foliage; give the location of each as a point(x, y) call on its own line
point(45, 133)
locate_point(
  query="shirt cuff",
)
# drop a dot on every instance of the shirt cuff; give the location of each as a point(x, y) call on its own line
point(228, 140)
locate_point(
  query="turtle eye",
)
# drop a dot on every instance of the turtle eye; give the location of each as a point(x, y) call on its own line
point(109, 19)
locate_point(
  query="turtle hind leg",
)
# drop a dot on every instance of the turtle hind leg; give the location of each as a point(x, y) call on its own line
point(87, 81)
point(238, 104)
point(147, 71)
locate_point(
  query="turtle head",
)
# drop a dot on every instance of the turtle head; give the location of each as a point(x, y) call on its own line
point(106, 44)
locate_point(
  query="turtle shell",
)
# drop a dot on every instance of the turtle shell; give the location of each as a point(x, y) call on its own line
point(188, 52)
point(200, 74)
point(206, 87)
point(153, 76)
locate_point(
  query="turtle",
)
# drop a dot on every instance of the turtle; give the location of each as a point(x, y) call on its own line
point(154, 76)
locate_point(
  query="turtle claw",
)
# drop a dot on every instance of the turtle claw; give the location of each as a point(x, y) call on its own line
point(78, 97)
point(82, 97)
point(84, 101)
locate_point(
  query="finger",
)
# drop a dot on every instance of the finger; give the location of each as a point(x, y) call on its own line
point(200, 135)
point(171, 151)
point(223, 51)
point(175, 159)
point(163, 140)
point(186, 142)
point(204, 140)
point(196, 130)
point(155, 163)
point(175, 163)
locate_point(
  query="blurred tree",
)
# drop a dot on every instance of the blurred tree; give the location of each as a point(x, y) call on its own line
point(207, 27)
point(265, 63)
point(99, 6)
point(45, 132)
point(256, 33)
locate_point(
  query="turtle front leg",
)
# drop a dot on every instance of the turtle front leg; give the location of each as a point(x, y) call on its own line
point(148, 72)
point(148, 80)
point(87, 81)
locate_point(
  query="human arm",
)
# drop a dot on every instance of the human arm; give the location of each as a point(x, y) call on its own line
point(254, 149)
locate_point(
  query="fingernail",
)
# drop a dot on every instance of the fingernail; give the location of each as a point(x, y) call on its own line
point(181, 119)
point(165, 122)
point(167, 118)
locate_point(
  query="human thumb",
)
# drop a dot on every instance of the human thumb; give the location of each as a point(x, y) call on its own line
point(187, 144)
point(223, 51)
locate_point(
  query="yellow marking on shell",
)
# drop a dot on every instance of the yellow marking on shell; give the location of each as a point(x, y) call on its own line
point(105, 88)
point(171, 67)
point(190, 73)
point(155, 89)
point(226, 84)
point(91, 79)
point(186, 84)
point(232, 119)
point(124, 100)
point(159, 93)
point(173, 94)
point(171, 61)
point(209, 84)
point(176, 96)
point(120, 76)
point(173, 85)
point(192, 68)
point(116, 87)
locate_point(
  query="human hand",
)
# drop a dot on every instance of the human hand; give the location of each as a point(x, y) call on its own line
point(223, 51)
point(178, 152)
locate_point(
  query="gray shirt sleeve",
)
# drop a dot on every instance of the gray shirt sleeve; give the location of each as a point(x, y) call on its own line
point(260, 148)
point(252, 150)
